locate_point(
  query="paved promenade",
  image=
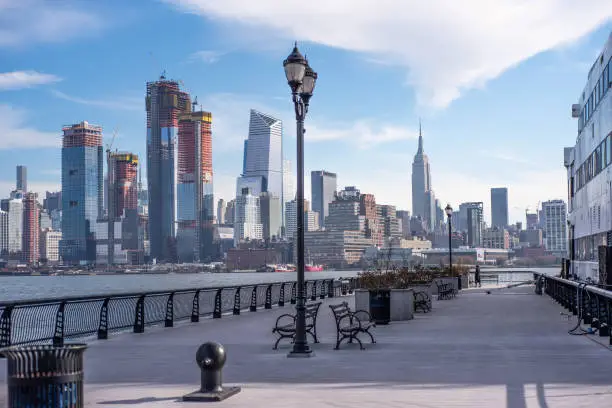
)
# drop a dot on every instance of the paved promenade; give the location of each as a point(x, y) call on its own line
point(509, 349)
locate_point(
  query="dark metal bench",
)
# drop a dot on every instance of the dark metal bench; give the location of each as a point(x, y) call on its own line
point(445, 290)
point(348, 325)
point(286, 328)
point(422, 301)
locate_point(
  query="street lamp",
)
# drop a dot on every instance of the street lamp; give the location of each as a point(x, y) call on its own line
point(301, 79)
point(449, 214)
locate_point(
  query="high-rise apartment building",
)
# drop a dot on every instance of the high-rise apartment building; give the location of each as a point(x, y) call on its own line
point(368, 208)
point(389, 222)
point(165, 102)
point(52, 201)
point(82, 196)
point(31, 228)
point(421, 182)
point(555, 229)
point(195, 188)
point(221, 208)
point(345, 212)
point(4, 234)
point(22, 178)
point(270, 209)
point(496, 237)
point(323, 185)
point(247, 222)
point(499, 207)
point(230, 212)
point(475, 219)
point(291, 218)
point(430, 210)
point(49, 245)
point(403, 218)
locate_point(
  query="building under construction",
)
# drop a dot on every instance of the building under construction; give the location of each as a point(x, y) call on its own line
point(195, 188)
point(82, 191)
point(31, 228)
point(165, 102)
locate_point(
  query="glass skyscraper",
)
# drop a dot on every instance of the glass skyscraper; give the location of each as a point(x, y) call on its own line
point(499, 207)
point(82, 195)
point(164, 103)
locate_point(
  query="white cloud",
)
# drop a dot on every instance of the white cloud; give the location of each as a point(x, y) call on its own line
point(15, 134)
point(362, 133)
point(447, 46)
point(25, 79)
point(505, 155)
point(119, 103)
point(206, 56)
point(41, 21)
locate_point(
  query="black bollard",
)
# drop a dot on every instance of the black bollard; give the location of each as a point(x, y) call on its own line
point(211, 359)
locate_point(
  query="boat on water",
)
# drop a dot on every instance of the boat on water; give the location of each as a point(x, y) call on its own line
point(313, 268)
point(284, 268)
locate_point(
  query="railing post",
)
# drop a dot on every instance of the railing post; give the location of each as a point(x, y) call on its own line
point(218, 305)
point(268, 304)
point(587, 317)
point(294, 293)
point(103, 324)
point(253, 307)
point(170, 311)
point(281, 298)
point(237, 301)
point(330, 288)
point(139, 315)
point(323, 290)
point(195, 307)
point(313, 290)
point(58, 335)
point(5, 326)
point(351, 284)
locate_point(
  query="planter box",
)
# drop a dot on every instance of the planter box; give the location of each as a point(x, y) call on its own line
point(402, 303)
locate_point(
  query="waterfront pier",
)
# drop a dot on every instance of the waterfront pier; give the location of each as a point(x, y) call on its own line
point(509, 348)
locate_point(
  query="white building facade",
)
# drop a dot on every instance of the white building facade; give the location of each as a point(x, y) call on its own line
point(589, 173)
point(247, 222)
point(555, 228)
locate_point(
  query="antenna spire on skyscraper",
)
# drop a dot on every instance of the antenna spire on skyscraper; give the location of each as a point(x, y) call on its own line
point(420, 150)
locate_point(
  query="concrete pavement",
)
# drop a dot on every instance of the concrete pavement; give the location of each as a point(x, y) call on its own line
point(509, 349)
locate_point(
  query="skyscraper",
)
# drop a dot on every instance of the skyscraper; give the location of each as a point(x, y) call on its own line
point(22, 178)
point(555, 227)
point(195, 188)
point(264, 156)
point(165, 102)
point(82, 197)
point(221, 208)
point(4, 234)
point(124, 183)
point(421, 182)
point(247, 222)
point(31, 228)
point(499, 207)
point(323, 185)
point(270, 210)
point(474, 224)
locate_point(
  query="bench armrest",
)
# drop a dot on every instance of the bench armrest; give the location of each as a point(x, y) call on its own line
point(293, 317)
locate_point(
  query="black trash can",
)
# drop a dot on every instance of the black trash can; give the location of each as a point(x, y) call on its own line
point(380, 306)
point(459, 283)
point(45, 376)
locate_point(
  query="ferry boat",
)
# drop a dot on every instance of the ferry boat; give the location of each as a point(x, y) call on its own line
point(589, 174)
point(313, 268)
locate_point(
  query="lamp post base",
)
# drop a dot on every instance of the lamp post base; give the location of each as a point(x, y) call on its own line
point(305, 353)
point(199, 396)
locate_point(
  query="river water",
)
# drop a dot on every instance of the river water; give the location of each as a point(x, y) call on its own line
point(14, 288)
point(40, 287)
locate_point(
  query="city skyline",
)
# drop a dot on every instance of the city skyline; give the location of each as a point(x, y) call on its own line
point(40, 94)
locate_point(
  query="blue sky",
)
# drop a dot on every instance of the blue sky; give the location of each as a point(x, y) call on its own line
point(494, 93)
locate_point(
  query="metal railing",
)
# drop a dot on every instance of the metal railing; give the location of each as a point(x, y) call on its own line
point(590, 303)
point(54, 320)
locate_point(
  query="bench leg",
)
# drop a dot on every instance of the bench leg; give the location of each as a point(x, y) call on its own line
point(370, 334)
point(354, 336)
point(276, 344)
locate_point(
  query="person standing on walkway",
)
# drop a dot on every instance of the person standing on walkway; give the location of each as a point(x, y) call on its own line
point(477, 276)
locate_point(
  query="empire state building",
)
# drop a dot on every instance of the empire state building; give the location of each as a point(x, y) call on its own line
point(423, 200)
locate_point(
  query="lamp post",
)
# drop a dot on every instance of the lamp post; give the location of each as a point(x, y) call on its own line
point(449, 214)
point(301, 79)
